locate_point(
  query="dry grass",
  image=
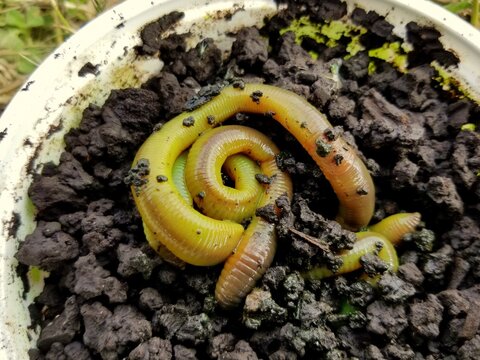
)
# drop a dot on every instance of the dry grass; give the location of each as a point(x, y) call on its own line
point(31, 29)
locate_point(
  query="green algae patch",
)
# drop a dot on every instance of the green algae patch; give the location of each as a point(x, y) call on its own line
point(392, 53)
point(468, 127)
point(346, 308)
point(331, 33)
point(36, 282)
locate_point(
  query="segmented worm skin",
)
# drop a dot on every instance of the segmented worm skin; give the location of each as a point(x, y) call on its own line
point(367, 243)
point(200, 240)
point(386, 233)
point(395, 227)
point(203, 175)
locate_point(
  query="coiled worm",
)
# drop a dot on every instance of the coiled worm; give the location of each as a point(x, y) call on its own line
point(200, 240)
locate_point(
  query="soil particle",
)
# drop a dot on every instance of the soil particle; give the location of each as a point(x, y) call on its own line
point(47, 247)
point(116, 129)
point(204, 95)
point(151, 34)
point(425, 317)
point(386, 320)
point(202, 62)
point(275, 276)
point(444, 195)
point(89, 68)
point(263, 179)
point(372, 352)
point(249, 48)
point(169, 319)
point(472, 321)
point(52, 197)
point(293, 286)
point(62, 328)
point(323, 90)
point(356, 67)
point(172, 95)
point(458, 112)
point(454, 302)
point(113, 333)
point(436, 118)
point(414, 88)
point(394, 289)
point(437, 263)
point(427, 46)
point(260, 308)
point(312, 312)
point(466, 157)
point(76, 350)
point(220, 344)
point(470, 350)
point(316, 225)
point(92, 280)
point(134, 261)
point(460, 270)
point(282, 354)
point(411, 274)
point(268, 213)
point(167, 276)
point(102, 236)
point(188, 121)
point(150, 300)
point(373, 265)
point(359, 293)
point(328, 10)
point(291, 55)
point(242, 351)
point(195, 330)
point(340, 107)
point(181, 352)
point(423, 239)
point(382, 123)
point(153, 349)
point(399, 352)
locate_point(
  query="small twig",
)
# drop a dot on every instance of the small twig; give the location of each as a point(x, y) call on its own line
point(30, 60)
point(475, 17)
point(59, 16)
point(312, 240)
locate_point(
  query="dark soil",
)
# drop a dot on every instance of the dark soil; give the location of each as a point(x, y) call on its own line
point(109, 296)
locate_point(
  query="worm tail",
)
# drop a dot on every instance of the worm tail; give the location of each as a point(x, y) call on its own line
point(251, 259)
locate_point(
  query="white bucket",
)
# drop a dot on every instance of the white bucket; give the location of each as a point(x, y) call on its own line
point(51, 102)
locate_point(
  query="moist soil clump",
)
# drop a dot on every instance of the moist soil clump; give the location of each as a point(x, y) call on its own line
point(109, 296)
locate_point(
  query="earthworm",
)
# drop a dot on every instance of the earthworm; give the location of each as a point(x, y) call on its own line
point(385, 234)
point(367, 243)
point(200, 240)
point(395, 227)
point(202, 174)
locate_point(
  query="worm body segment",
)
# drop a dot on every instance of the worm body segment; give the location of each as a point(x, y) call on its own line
point(395, 227)
point(367, 243)
point(385, 234)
